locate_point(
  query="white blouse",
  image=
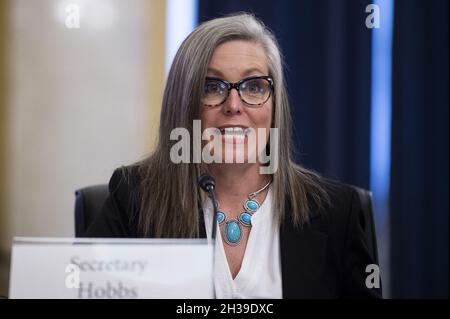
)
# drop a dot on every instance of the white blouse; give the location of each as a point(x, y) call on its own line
point(260, 273)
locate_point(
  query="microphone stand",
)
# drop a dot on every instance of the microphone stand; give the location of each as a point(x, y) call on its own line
point(212, 195)
point(207, 183)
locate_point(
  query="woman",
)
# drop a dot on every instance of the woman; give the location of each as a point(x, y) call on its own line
point(285, 233)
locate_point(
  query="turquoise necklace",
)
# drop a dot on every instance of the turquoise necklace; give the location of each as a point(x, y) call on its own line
point(232, 232)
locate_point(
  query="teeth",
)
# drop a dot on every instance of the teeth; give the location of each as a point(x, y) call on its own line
point(235, 131)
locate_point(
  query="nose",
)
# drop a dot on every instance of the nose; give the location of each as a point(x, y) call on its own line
point(233, 104)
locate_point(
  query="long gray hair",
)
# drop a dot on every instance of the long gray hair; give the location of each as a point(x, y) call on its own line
point(170, 197)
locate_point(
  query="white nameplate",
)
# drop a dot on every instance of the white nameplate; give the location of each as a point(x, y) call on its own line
point(111, 268)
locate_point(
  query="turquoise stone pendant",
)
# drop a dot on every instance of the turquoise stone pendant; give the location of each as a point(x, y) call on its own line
point(251, 205)
point(220, 217)
point(246, 219)
point(233, 232)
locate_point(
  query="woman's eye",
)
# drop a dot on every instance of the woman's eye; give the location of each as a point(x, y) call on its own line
point(213, 87)
point(254, 87)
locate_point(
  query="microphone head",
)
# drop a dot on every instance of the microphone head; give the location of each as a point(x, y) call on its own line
point(206, 182)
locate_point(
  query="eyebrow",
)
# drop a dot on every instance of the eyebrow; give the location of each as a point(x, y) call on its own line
point(247, 72)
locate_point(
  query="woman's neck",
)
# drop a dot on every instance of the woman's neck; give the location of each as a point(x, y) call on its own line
point(237, 180)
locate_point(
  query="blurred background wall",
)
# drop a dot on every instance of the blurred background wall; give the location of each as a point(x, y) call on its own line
point(4, 108)
point(80, 102)
point(370, 108)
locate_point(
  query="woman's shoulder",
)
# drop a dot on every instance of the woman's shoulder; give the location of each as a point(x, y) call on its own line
point(324, 193)
point(119, 214)
point(339, 193)
point(125, 179)
point(124, 188)
point(339, 203)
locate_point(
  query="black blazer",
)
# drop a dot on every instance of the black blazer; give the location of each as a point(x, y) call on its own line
point(325, 259)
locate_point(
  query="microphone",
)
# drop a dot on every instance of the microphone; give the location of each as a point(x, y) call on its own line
point(207, 183)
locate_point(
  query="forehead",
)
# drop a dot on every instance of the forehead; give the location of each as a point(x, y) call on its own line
point(238, 58)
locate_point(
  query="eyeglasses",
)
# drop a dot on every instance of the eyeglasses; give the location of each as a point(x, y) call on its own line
point(254, 91)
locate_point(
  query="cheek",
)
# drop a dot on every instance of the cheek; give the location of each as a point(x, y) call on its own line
point(265, 119)
point(270, 115)
point(205, 118)
point(262, 119)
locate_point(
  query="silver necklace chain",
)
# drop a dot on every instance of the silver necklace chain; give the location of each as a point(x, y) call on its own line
point(252, 195)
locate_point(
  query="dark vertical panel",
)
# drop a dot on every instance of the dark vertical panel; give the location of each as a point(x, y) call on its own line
point(419, 190)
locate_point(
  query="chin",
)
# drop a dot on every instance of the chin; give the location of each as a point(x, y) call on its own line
point(237, 156)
